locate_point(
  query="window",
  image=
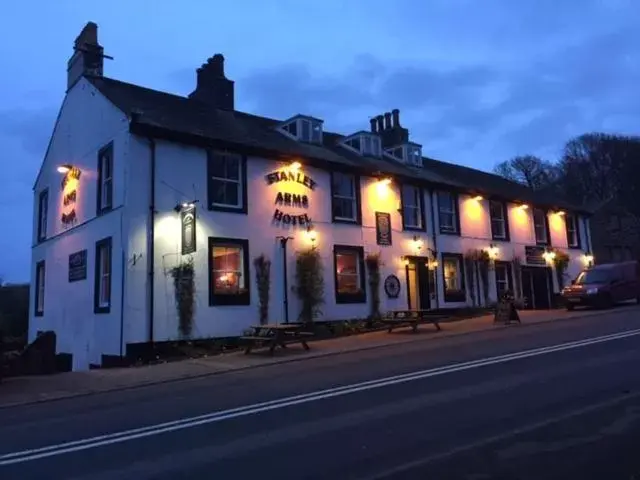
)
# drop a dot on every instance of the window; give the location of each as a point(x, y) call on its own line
point(448, 213)
point(39, 289)
point(365, 144)
point(414, 155)
point(503, 278)
point(573, 234)
point(303, 128)
point(349, 274)
point(345, 198)
point(541, 226)
point(227, 180)
point(453, 275)
point(228, 271)
point(412, 207)
point(499, 220)
point(43, 208)
point(105, 179)
point(103, 276)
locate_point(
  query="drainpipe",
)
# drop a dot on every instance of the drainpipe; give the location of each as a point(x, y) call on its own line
point(285, 281)
point(435, 245)
point(123, 266)
point(151, 238)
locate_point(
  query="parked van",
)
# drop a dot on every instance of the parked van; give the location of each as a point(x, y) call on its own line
point(604, 285)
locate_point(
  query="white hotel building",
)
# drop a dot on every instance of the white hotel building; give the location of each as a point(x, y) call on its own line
point(123, 159)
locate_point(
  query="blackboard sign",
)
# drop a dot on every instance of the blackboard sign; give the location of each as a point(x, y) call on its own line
point(534, 255)
point(383, 229)
point(78, 266)
point(188, 226)
point(506, 312)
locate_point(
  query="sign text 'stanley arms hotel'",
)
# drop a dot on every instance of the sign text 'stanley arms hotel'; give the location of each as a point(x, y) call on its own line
point(136, 182)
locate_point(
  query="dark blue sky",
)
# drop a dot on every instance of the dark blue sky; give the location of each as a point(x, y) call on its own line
point(477, 82)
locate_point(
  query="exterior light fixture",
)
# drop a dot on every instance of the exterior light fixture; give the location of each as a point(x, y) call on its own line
point(493, 251)
point(295, 166)
point(549, 255)
point(587, 258)
point(385, 181)
point(185, 205)
point(311, 234)
point(66, 168)
point(561, 213)
point(478, 198)
point(417, 243)
point(523, 206)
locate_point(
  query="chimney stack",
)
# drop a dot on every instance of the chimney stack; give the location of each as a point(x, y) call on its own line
point(88, 56)
point(380, 120)
point(373, 124)
point(395, 113)
point(387, 121)
point(212, 86)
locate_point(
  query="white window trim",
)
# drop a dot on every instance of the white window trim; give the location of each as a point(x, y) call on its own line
point(43, 214)
point(445, 209)
point(106, 182)
point(239, 181)
point(458, 272)
point(104, 276)
point(502, 220)
point(417, 207)
point(40, 277)
point(239, 273)
point(572, 220)
point(507, 280)
point(357, 273)
point(353, 199)
point(543, 225)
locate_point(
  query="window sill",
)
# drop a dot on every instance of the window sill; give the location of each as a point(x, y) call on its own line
point(412, 228)
point(449, 232)
point(501, 239)
point(345, 221)
point(346, 298)
point(229, 299)
point(103, 210)
point(574, 247)
point(101, 310)
point(228, 209)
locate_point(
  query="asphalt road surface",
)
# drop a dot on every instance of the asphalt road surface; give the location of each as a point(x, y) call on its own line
point(552, 401)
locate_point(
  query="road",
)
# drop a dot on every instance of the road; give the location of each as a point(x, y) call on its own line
point(550, 401)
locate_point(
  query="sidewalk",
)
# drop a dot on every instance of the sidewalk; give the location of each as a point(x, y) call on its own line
point(33, 389)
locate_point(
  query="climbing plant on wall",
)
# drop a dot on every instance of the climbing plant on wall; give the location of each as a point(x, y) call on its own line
point(183, 276)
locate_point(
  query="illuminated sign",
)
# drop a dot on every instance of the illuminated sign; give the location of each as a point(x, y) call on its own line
point(69, 196)
point(288, 199)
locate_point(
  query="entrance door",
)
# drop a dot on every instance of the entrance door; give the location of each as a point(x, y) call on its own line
point(536, 287)
point(418, 297)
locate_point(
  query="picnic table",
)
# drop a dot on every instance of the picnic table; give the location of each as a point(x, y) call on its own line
point(412, 318)
point(276, 335)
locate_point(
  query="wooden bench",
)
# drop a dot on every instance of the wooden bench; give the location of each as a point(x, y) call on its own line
point(413, 318)
point(278, 335)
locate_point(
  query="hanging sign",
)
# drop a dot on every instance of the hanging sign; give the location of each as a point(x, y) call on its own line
point(383, 229)
point(188, 229)
point(69, 186)
point(78, 266)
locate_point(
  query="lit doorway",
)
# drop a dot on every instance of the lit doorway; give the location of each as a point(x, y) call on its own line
point(419, 284)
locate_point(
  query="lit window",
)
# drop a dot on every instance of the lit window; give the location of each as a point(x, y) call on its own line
point(498, 215)
point(349, 274)
point(102, 295)
point(412, 207)
point(447, 212)
point(540, 226)
point(573, 237)
point(226, 182)
point(229, 275)
point(43, 209)
point(39, 293)
point(344, 197)
point(453, 278)
point(105, 179)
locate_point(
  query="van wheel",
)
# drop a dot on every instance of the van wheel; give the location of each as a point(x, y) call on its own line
point(606, 302)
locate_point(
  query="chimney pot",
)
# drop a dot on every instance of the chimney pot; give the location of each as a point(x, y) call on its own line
point(87, 57)
point(387, 120)
point(380, 120)
point(373, 125)
point(212, 86)
point(396, 117)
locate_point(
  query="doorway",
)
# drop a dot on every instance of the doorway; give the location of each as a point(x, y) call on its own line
point(536, 287)
point(418, 291)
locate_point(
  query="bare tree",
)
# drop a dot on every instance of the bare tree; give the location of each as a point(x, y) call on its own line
point(528, 170)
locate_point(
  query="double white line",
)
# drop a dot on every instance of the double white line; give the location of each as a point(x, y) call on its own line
point(214, 417)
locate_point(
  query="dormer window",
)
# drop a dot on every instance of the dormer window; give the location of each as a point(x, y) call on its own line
point(365, 143)
point(303, 128)
point(410, 153)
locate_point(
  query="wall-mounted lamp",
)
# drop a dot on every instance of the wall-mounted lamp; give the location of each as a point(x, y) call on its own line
point(385, 181)
point(587, 258)
point(295, 166)
point(493, 251)
point(66, 168)
point(183, 206)
point(523, 206)
point(549, 256)
point(478, 198)
point(311, 234)
point(417, 243)
point(561, 213)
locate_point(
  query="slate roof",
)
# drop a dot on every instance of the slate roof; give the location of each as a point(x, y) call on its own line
point(182, 115)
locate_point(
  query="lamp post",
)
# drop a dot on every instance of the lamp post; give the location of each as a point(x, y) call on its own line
point(283, 245)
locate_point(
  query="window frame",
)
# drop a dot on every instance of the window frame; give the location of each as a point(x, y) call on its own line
point(98, 274)
point(509, 275)
point(38, 295)
point(356, 200)
point(242, 206)
point(420, 207)
point(43, 215)
point(455, 212)
point(225, 299)
point(105, 186)
point(545, 224)
point(461, 295)
point(361, 295)
point(576, 223)
point(505, 221)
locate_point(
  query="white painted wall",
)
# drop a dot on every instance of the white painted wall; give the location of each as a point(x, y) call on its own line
point(68, 307)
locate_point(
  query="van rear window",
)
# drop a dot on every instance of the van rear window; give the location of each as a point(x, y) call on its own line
point(593, 276)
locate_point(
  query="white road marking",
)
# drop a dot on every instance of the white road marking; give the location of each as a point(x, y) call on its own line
point(214, 417)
